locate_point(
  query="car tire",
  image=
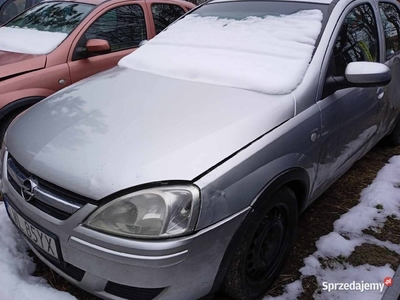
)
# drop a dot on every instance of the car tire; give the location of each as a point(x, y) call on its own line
point(6, 121)
point(264, 246)
point(393, 139)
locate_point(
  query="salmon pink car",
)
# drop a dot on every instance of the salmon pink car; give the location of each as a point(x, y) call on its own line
point(56, 43)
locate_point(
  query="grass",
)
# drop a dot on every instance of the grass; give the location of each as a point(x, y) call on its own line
point(373, 255)
point(390, 231)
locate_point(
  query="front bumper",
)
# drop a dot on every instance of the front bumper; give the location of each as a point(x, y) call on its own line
point(114, 267)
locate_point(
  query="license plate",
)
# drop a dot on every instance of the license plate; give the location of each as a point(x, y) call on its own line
point(42, 240)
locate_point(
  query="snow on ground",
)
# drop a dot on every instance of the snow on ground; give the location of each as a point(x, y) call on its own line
point(268, 55)
point(16, 267)
point(29, 41)
point(291, 291)
point(378, 201)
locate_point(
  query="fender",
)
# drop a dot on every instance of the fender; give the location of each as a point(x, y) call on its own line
point(295, 178)
point(24, 102)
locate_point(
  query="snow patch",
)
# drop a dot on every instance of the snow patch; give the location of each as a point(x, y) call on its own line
point(334, 245)
point(378, 201)
point(268, 55)
point(16, 267)
point(29, 41)
point(292, 291)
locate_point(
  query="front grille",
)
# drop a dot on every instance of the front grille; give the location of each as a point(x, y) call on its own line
point(130, 292)
point(52, 211)
point(64, 193)
point(49, 198)
point(52, 187)
point(13, 183)
point(71, 270)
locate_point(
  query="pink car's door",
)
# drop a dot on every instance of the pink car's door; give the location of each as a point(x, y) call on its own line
point(124, 26)
point(166, 12)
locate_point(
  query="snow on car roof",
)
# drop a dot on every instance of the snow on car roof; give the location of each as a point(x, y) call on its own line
point(265, 54)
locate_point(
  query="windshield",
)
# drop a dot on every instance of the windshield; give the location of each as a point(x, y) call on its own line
point(239, 10)
point(260, 46)
point(41, 29)
point(52, 16)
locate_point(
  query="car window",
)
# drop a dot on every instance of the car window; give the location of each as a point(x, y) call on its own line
point(11, 9)
point(165, 14)
point(357, 39)
point(391, 27)
point(123, 27)
point(52, 16)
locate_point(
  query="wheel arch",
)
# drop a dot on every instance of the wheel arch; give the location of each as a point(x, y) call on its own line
point(297, 180)
point(18, 104)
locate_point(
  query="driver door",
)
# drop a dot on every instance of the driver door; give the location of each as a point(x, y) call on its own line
point(350, 116)
point(390, 103)
point(123, 27)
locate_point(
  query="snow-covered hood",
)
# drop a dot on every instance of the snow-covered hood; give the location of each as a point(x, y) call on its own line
point(12, 63)
point(29, 41)
point(122, 128)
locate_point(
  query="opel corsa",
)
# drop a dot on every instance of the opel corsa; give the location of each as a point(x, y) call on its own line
point(183, 170)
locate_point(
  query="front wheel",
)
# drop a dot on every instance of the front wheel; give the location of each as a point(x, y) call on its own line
point(264, 247)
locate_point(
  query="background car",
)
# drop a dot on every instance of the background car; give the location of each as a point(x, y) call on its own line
point(183, 171)
point(56, 43)
point(11, 8)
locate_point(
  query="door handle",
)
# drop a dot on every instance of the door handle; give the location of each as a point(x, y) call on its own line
point(380, 92)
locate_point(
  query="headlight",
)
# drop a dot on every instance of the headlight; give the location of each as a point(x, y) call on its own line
point(153, 213)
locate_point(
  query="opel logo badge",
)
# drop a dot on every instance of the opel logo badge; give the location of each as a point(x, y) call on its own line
point(28, 189)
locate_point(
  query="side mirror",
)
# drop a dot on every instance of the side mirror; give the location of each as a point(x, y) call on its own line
point(367, 74)
point(359, 74)
point(97, 46)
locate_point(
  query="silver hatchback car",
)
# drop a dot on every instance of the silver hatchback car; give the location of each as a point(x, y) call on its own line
point(183, 170)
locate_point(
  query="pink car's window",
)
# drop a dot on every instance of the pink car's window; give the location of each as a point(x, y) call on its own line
point(11, 9)
point(52, 16)
point(123, 27)
point(165, 14)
